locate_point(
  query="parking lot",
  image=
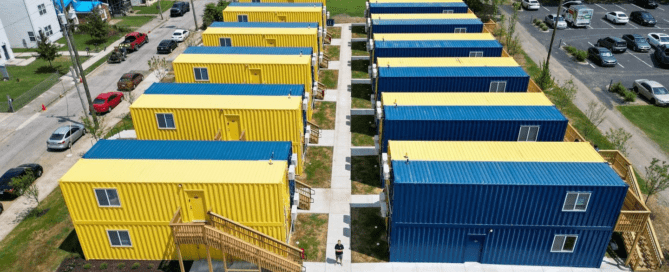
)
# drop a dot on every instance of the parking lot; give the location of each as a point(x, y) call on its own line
point(631, 65)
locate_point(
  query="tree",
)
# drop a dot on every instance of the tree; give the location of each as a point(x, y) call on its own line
point(619, 138)
point(563, 95)
point(511, 40)
point(95, 26)
point(213, 13)
point(657, 178)
point(46, 49)
point(159, 67)
point(595, 114)
point(97, 130)
point(23, 186)
point(544, 80)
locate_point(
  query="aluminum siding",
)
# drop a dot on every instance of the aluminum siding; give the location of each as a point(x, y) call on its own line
point(467, 63)
point(276, 4)
point(283, 40)
point(299, 51)
point(262, 24)
point(426, 26)
point(292, 16)
point(286, 1)
point(435, 48)
point(225, 89)
point(400, 16)
point(417, 7)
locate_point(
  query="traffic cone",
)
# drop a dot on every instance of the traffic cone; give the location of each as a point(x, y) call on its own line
point(43, 107)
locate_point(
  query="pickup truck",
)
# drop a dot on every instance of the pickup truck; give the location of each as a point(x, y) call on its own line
point(133, 41)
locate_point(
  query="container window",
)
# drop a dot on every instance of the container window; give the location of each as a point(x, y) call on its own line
point(460, 30)
point(107, 198)
point(42, 9)
point(477, 54)
point(564, 243)
point(449, 11)
point(225, 42)
point(255, 1)
point(119, 238)
point(528, 133)
point(576, 202)
point(165, 120)
point(201, 74)
point(242, 18)
point(497, 86)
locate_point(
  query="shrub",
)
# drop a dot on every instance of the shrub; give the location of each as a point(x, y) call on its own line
point(87, 266)
point(536, 21)
point(629, 96)
point(120, 266)
point(135, 266)
point(544, 28)
point(150, 266)
point(103, 266)
point(570, 49)
point(581, 55)
point(624, 92)
point(517, 5)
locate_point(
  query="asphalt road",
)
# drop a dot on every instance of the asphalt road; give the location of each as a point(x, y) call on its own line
point(632, 65)
point(23, 135)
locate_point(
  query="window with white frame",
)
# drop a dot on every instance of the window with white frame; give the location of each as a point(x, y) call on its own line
point(42, 9)
point(255, 1)
point(475, 54)
point(242, 18)
point(31, 36)
point(576, 202)
point(460, 30)
point(48, 31)
point(107, 198)
point(165, 121)
point(528, 133)
point(564, 243)
point(498, 86)
point(201, 74)
point(225, 42)
point(119, 238)
point(448, 11)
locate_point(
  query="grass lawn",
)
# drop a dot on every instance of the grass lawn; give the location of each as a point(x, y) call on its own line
point(81, 41)
point(124, 124)
point(311, 233)
point(652, 120)
point(324, 114)
point(365, 176)
point(359, 49)
point(21, 50)
point(96, 64)
point(41, 243)
point(329, 78)
point(153, 9)
point(368, 229)
point(361, 95)
point(335, 31)
point(332, 51)
point(317, 167)
point(135, 21)
point(359, 68)
point(353, 8)
point(362, 132)
point(358, 32)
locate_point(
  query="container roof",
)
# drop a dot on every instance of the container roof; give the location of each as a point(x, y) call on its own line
point(246, 4)
point(415, 1)
point(400, 16)
point(428, 22)
point(274, 7)
point(494, 151)
point(243, 102)
point(263, 25)
point(189, 150)
point(177, 171)
point(243, 59)
point(417, 5)
point(260, 30)
point(474, 113)
point(465, 99)
point(447, 62)
point(452, 72)
point(432, 36)
point(225, 89)
point(249, 50)
point(450, 44)
point(505, 173)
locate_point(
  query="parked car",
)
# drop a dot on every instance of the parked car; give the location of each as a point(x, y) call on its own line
point(553, 18)
point(617, 17)
point(179, 9)
point(653, 91)
point(578, 15)
point(658, 39)
point(63, 137)
point(133, 41)
point(180, 35)
point(636, 42)
point(530, 4)
point(117, 55)
point(650, 4)
point(105, 102)
point(2, 208)
point(662, 55)
point(602, 56)
point(129, 81)
point(568, 4)
point(643, 18)
point(614, 44)
point(167, 46)
point(16, 172)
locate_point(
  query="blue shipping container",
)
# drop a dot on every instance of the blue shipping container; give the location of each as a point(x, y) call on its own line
point(408, 49)
point(264, 25)
point(226, 89)
point(426, 26)
point(456, 7)
point(470, 123)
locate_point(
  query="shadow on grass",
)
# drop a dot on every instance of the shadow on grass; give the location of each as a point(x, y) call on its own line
point(359, 49)
point(362, 131)
point(173, 266)
point(359, 68)
point(368, 236)
point(358, 29)
point(71, 244)
point(361, 95)
point(365, 176)
point(46, 69)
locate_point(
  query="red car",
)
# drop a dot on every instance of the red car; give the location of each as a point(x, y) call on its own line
point(129, 81)
point(134, 41)
point(105, 102)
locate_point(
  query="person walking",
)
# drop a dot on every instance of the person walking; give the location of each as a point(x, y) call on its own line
point(339, 252)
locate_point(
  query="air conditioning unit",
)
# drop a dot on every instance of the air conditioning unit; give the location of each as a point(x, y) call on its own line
point(368, 24)
point(370, 45)
point(291, 172)
point(386, 172)
point(320, 57)
point(379, 110)
point(375, 71)
point(293, 159)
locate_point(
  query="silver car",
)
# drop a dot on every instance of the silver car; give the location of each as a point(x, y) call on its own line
point(653, 91)
point(65, 136)
point(551, 18)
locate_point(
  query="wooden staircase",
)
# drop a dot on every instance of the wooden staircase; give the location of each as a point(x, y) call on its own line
point(315, 133)
point(328, 38)
point(305, 192)
point(320, 92)
point(326, 62)
point(236, 240)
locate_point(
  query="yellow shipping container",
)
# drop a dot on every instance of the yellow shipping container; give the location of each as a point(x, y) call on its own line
point(263, 37)
point(268, 14)
point(447, 62)
point(142, 198)
point(433, 36)
point(425, 16)
point(284, 1)
point(224, 117)
point(416, 1)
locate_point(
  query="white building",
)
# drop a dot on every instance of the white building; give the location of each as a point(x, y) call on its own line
point(5, 48)
point(24, 19)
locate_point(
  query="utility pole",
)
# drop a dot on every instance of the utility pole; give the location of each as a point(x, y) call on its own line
point(66, 31)
point(83, 105)
point(192, 10)
point(550, 48)
point(160, 10)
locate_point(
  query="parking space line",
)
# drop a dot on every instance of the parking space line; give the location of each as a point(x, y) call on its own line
point(590, 27)
point(591, 44)
point(600, 6)
point(640, 60)
point(546, 8)
point(660, 8)
point(637, 6)
point(665, 20)
point(621, 65)
point(608, 23)
point(593, 67)
point(619, 7)
point(632, 26)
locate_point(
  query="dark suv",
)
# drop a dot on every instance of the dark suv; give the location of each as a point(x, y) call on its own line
point(179, 8)
point(662, 55)
point(636, 42)
point(643, 18)
point(614, 44)
point(645, 3)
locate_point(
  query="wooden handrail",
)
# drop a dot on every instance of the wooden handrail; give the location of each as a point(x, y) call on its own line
point(305, 193)
point(571, 134)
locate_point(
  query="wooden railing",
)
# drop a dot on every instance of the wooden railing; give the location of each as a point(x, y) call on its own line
point(315, 133)
point(326, 62)
point(571, 134)
point(328, 38)
point(320, 91)
point(533, 87)
point(305, 192)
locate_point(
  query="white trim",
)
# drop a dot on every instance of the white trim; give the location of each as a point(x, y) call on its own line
point(460, 30)
point(563, 242)
point(477, 54)
point(119, 238)
point(578, 194)
point(227, 39)
point(165, 113)
point(107, 196)
point(242, 16)
point(529, 129)
point(497, 83)
point(207, 69)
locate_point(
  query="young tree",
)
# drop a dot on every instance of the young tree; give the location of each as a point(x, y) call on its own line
point(47, 50)
point(510, 32)
point(159, 67)
point(619, 138)
point(95, 26)
point(595, 114)
point(23, 186)
point(213, 13)
point(563, 95)
point(98, 131)
point(657, 178)
point(544, 80)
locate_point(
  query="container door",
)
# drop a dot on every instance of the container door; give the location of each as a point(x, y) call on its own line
point(233, 127)
point(196, 206)
point(474, 247)
point(256, 77)
point(282, 18)
point(271, 42)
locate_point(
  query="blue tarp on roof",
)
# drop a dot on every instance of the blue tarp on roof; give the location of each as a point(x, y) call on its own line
point(266, 25)
point(225, 89)
point(79, 6)
point(473, 113)
point(189, 150)
point(249, 50)
point(514, 71)
point(237, 4)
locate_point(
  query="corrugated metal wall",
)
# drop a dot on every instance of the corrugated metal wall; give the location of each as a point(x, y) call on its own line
point(417, 7)
point(285, 1)
point(422, 52)
point(282, 40)
point(447, 84)
point(424, 28)
point(315, 16)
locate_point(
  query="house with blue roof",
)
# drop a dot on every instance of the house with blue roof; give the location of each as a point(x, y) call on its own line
point(78, 10)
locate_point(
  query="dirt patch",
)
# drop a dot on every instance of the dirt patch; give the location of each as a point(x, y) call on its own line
point(365, 176)
point(311, 233)
point(329, 78)
point(368, 236)
point(335, 32)
point(317, 167)
point(324, 114)
point(332, 51)
point(345, 19)
point(81, 265)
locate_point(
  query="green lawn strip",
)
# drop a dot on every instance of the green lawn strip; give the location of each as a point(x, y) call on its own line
point(335, 31)
point(134, 21)
point(317, 167)
point(123, 124)
point(153, 9)
point(368, 236)
point(362, 131)
point(359, 68)
point(329, 78)
point(41, 243)
point(652, 120)
point(311, 235)
point(353, 8)
point(360, 96)
point(358, 32)
point(332, 51)
point(324, 114)
point(365, 176)
point(83, 41)
point(96, 64)
point(359, 49)
point(22, 50)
